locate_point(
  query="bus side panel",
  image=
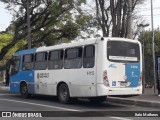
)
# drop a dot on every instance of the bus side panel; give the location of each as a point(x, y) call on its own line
point(133, 73)
point(82, 82)
point(28, 77)
point(14, 84)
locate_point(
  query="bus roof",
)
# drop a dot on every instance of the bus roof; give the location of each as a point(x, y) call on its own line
point(28, 51)
point(80, 42)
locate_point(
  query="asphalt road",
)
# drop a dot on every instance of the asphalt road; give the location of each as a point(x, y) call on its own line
point(12, 102)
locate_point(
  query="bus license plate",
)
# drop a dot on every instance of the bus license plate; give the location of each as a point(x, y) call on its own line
point(123, 83)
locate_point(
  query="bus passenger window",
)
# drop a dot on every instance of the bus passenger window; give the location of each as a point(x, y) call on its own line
point(28, 61)
point(15, 63)
point(40, 61)
point(89, 56)
point(73, 58)
point(55, 59)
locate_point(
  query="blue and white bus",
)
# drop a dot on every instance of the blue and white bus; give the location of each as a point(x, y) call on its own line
point(93, 68)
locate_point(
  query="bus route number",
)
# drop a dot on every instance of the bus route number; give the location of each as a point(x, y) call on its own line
point(90, 72)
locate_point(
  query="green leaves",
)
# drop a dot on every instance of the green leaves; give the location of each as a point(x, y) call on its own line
point(5, 39)
point(146, 39)
point(51, 21)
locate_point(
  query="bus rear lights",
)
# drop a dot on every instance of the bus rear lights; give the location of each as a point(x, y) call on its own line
point(141, 76)
point(105, 78)
point(105, 75)
point(140, 80)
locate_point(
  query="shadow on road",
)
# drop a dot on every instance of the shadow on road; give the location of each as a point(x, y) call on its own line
point(81, 102)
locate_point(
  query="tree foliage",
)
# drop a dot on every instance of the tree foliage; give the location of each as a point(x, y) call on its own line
point(146, 39)
point(51, 21)
point(5, 39)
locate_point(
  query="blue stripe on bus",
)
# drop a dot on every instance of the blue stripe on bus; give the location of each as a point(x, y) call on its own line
point(27, 75)
point(132, 71)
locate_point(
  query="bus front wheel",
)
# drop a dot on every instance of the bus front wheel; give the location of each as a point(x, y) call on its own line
point(63, 93)
point(24, 90)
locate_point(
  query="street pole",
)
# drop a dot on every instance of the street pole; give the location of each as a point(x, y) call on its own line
point(143, 65)
point(129, 29)
point(153, 48)
point(28, 26)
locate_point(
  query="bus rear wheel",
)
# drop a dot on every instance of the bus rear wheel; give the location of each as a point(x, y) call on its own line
point(24, 90)
point(63, 93)
point(97, 99)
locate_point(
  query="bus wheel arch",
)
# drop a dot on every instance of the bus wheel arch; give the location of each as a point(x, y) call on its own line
point(63, 93)
point(24, 89)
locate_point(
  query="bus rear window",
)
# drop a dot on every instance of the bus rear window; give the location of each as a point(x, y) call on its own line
point(123, 51)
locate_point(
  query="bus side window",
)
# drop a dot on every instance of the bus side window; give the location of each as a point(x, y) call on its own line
point(40, 61)
point(15, 64)
point(89, 56)
point(73, 58)
point(55, 59)
point(28, 61)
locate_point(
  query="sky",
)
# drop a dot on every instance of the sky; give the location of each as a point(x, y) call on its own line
point(5, 17)
point(143, 10)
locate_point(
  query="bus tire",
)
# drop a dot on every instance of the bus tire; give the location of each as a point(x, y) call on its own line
point(24, 90)
point(98, 99)
point(63, 93)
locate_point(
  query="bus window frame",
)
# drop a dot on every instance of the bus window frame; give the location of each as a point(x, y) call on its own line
point(46, 60)
point(89, 57)
point(13, 63)
point(123, 61)
point(57, 60)
point(28, 62)
point(65, 57)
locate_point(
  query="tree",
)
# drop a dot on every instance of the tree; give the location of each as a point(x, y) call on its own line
point(5, 39)
point(51, 21)
point(146, 39)
point(112, 15)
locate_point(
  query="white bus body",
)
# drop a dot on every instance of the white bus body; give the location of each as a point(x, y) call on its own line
point(111, 72)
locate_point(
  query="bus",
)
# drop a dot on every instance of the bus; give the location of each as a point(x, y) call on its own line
point(92, 68)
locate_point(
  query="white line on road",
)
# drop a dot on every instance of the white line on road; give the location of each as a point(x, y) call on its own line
point(39, 105)
point(120, 118)
point(1, 94)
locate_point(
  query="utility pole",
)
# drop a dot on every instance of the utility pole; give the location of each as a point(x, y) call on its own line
point(153, 49)
point(129, 28)
point(28, 26)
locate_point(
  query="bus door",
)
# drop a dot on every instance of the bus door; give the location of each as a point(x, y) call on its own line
point(14, 73)
point(27, 72)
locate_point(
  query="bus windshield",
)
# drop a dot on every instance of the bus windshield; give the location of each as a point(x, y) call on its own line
point(123, 51)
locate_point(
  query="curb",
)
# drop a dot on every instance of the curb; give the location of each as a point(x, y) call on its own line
point(142, 103)
point(4, 88)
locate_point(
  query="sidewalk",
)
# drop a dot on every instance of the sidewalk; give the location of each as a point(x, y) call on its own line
point(147, 99)
point(4, 89)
